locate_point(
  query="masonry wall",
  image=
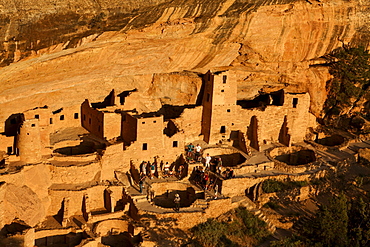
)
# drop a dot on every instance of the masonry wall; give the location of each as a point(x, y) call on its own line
point(129, 128)
point(74, 174)
point(7, 142)
point(73, 200)
point(55, 119)
point(92, 119)
point(112, 125)
point(269, 121)
point(207, 106)
point(29, 142)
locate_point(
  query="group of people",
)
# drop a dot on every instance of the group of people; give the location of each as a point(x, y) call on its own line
point(153, 170)
point(194, 153)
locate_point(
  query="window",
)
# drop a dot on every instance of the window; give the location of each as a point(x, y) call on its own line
point(295, 102)
point(33, 125)
point(223, 129)
point(224, 78)
point(51, 121)
point(142, 122)
point(232, 124)
point(222, 91)
point(228, 110)
point(208, 97)
point(89, 120)
point(61, 117)
point(37, 116)
point(175, 144)
point(9, 150)
point(84, 117)
point(154, 121)
point(76, 115)
point(145, 146)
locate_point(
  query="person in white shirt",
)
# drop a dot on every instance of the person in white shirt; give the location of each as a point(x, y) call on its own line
point(207, 161)
point(197, 148)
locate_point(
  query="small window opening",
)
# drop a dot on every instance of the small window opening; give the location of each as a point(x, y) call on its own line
point(76, 115)
point(154, 121)
point(222, 91)
point(51, 121)
point(145, 146)
point(61, 117)
point(175, 144)
point(295, 102)
point(9, 150)
point(223, 129)
point(89, 120)
point(228, 110)
point(232, 124)
point(142, 122)
point(37, 116)
point(33, 125)
point(99, 128)
point(208, 97)
point(84, 117)
point(224, 78)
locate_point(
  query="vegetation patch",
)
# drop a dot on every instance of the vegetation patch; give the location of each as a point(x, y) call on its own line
point(347, 103)
point(271, 185)
point(241, 228)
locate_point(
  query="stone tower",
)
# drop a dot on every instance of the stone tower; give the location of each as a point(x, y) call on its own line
point(219, 105)
point(29, 141)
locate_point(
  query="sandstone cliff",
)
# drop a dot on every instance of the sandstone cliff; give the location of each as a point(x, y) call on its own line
point(57, 53)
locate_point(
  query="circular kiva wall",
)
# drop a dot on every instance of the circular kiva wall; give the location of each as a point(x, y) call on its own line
point(164, 194)
point(229, 156)
point(108, 227)
point(294, 159)
point(331, 141)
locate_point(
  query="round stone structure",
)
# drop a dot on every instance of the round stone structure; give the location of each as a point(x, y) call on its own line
point(164, 194)
point(293, 159)
point(230, 157)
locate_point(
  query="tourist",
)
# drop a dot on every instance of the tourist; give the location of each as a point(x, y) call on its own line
point(205, 181)
point(190, 150)
point(219, 166)
point(231, 174)
point(141, 182)
point(207, 160)
point(152, 170)
point(177, 202)
point(198, 155)
point(161, 165)
point(166, 169)
point(143, 167)
point(179, 171)
point(216, 191)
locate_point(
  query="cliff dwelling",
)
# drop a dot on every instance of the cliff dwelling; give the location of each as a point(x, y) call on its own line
point(136, 124)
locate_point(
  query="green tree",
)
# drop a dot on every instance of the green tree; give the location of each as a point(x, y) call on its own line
point(350, 67)
point(329, 227)
point(359, 224)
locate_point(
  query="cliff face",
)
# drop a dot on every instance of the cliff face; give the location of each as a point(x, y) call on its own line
point(59, 52)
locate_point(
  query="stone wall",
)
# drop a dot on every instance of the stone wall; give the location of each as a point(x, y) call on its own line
point(74, 174)
point(92, 119)
point(112, 125)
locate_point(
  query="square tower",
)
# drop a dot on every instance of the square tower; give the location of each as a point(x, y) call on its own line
point(219, 103)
